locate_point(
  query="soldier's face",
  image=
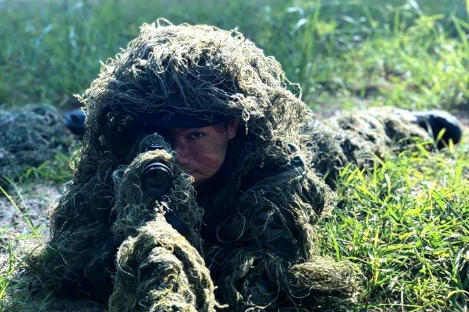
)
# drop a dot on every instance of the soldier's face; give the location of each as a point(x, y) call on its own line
point(202, 151)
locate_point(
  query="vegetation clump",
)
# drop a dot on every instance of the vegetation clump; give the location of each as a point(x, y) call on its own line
point(29, 136)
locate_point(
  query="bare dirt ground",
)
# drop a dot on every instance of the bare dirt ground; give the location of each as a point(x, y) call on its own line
point(463, 117)
point(16, 232)
point(36, 201)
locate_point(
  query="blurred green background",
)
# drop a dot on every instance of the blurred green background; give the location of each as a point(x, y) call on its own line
point(407, 53)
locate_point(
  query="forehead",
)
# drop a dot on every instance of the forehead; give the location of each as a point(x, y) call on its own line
point(218, 128)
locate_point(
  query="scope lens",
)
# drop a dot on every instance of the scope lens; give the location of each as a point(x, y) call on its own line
point(157, 179)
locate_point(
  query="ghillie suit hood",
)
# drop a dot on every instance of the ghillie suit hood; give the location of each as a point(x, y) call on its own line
point(193, 70)
point(204, 72)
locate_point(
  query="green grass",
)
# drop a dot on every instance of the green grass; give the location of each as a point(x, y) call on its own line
point(333, 48)
point(405, 224)
point(13, 255)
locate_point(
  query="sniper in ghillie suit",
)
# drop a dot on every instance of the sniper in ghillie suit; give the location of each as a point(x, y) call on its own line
point(200, 178)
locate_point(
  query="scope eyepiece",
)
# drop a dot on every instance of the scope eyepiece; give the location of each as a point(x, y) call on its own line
point(157, 179)
point(154, 147)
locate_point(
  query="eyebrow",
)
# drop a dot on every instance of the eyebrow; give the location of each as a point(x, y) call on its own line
point(185, 131)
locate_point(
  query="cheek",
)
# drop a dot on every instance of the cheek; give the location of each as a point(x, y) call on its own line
point(211, 160)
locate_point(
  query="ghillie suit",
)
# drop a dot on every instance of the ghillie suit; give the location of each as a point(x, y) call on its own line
point(359, 138)
point(242, 241)
point(29, 136)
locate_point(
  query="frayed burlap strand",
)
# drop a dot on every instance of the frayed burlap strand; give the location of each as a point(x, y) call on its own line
point(322, 282)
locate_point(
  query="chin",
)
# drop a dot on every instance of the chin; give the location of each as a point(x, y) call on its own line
point(197, 182)
point(198, 179)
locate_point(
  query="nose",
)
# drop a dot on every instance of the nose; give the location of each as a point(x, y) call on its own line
point(181, 152)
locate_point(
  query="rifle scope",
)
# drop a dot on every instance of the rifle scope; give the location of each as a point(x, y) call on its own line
point(157, 178)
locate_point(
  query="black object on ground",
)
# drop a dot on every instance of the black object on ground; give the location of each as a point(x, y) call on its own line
point(75, 121)
point(436, 120)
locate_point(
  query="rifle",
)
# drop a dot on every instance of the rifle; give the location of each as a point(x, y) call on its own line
point(157, 179)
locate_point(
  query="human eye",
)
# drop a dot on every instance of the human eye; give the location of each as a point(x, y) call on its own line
point(196, 135)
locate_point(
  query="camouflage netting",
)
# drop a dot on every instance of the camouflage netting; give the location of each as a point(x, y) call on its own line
point(29, 136)
point(247, 247)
